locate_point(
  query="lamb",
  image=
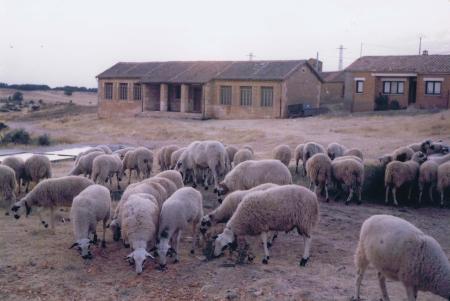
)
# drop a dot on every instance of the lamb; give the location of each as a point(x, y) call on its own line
point(282, 153)
point(123, 151)
point(183, 209)
point(231, 151)
point(309, 150)
point(281, 208)
point(140, 217)
point(402, 154)
point(84, 164)
point(335, 150)
point(354, 152)
point(140, 160)
point(298, 154)
point(242, 155)
point(18, 165)
point(175, 157)
point(92, 205)
point(7, 185)
point(348, 172)
point(37, 167)
point(252, 173)
point(443, 179)
point(51, 193)
point(401, 252)
point(318, 169)
point(104, 167)
point(399, 173)
point(173, 176)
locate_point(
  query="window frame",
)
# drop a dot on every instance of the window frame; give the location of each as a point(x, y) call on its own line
point(433, 82)
point(266, 102)
point(394, 87)
point(109, 92)
point(246, 96)
point(226, 95)
point(121, 90)
point(137, 91)
point(357, 82)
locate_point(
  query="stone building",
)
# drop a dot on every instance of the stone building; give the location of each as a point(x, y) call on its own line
point(208, 89)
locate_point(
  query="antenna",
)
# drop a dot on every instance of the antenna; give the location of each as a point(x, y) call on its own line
point(317, 61)
point(250, 56)
point(341, 57)
point(420, 44)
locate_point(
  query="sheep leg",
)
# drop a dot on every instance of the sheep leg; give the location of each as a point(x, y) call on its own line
point(382, 282)
point(305, 257)
point(350, 196)
point(410, 191)
point(326, 193)
point(39, 212)
point(430, 192)
point(177, 243)
point(266, 250)
point(118, 182)
point(411, 293)
point(394, 193)
point(360, 195)
point(442, 197)
point(104, 233)
point(386, 199)
point(420, 193)
point(194, 237)
point(129, 176)
point(52, 219)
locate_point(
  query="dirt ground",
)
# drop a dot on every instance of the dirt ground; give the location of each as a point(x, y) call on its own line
point(36, 265)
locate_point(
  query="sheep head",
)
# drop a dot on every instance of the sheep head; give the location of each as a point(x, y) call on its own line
point(115, 228)
point(19, 207)
point(84, 247)
point(419, 157)
point(225, 239)
point(222, 189)
point(206, 223)
point(163, 247)
point(138, 257)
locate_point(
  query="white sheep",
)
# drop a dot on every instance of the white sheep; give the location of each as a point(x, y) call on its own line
point(398, 173)
point(140, 160)
point(231, 151)
point(438, 148)
point(105, 148)
point(182, 210)
point(51, 193)
point(18, 165)
point(123, 151)
point(402, 154)
point(335, 150)
point(309, 150)
point(348, 173)
point(105, 167)
point(84, 164)
point(251, 173)
point(37, 167)
point(249, 148)
point(168, 185)
point(282, 208)
point(401, 252)
point(173, 176)
point(7, 185)
point(242, 155)
point(175, 157)
point(354, 152)
point(421, 147)
point(164, 156)
point(90, 206)
point(185, 164)
point(90, 150)
point(319, 172)
point(298, 154)
point(443, 179)
point(427, 177)
point(283, 153)
point(140, 216)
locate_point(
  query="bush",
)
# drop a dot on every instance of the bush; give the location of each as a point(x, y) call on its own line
point(17, 96)
point(43, 140)
point(68, 92)
point(3, 126)
point(381, 103)
point(394, 105)
point(17, 136)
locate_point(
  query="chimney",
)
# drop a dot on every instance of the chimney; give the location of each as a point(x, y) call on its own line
point(425, 52)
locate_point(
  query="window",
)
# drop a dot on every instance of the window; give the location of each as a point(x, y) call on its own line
point(123, 91)
point(266, 96)
point(393, 87)
point(225, 95)
point(108, 91)
point(359, 86)
point(177, 92)
point(246, 96)
point(432, 88)
point(137, 92)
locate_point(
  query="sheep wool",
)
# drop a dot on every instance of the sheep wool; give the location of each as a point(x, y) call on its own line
point(104, 167)
point(319, 172)
point(402, 154)
point(348, 172)
point(298, 154)
point(428, 177)
point(123, 151)
point(309, 150)
point(443, 179)
point(7, 185)
point(168, 185)
point(173, 176)
point(175, 157)
point(18, 165)
point(354, 152)
point(283, 153)
point(231, 151)
point(37, 167)
point(242, 155)
point(335, 150)
point(140, 160)
point(84, 164)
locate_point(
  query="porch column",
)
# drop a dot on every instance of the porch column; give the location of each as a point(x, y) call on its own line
point(184, 98)
point(163, 97)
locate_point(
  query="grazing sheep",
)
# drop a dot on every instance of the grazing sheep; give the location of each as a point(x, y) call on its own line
point(249, 148)
point(173, 176)
point(298, 154)
point(282, 153)
point(105, 167)
point(164, 156)
point(123, 151)
point(354, 152)
point(402, 154)
point(183, 209)
point(309, 150)
point(185, 164)
point(92, 205)
point(18, 165)
point(242, 155)
point(439, 159)
point(105, 148)
point(7, 185)
point(401, 252)
point(51, 193)
point(251, 173)
point(90, 150)
point(385, 159)
point(421, 147)
point(84, 164)
point(231, 151)
point(168, 185)
point(443, 179)
point(140, 216)
point(335, 150)
point(349, 157)
point(438, 148)
point(427, 176)
point(282, 208)
point(318, 169)
point(37, 167)
point(140, 160)
point(399, 173)
point(175, 157)
point(348, 172)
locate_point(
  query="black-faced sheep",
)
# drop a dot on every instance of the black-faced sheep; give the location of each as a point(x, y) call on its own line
point(175, 157)
point(319, 172)
point(7, 185)
point(282, 208)
point(18, 165)
point(438, 148)
point(139, 160)
point(298, 154)
point(309, 150)
point(37, 167)
point(348, 173)
point(420, 147)
point(283, 153)
point(401, 252)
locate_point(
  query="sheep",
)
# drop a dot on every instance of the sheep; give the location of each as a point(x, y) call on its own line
point(90, 206)
point(7, 185)
point(104, 167)
point(242, 155)
point(90, 150)
point(438, 148)
point(168, 185)
point(164, 156)
point(51, 193)
point(252, 173)
point(175, 157)
point(335, 150)
point(105, 148)
point(281, 208)
point(140, 160)
point(427, 176)
point(185, 164)
point(37, 167)
point(443, 179)
point(402, 154)
point(348, 172)
point(318, 169)
point(420, 147)
point(249, 148)
point(298, 154)
point(283, 153)
point(123, 151)
point(183, 209)
point(18, 165)
point(399, 173)
point(385, 159)
point(401, 252)
point(84, 164)
point(231, 151)
point(140, 216)
point(349, 157)
point(309, 150)
point(354, 152)
point(173, 176)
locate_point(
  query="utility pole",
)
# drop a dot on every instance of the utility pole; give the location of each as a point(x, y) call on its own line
point(420, 45)
point(360, 50)
point(341, 57)
point(317, 61)
point(250, 56)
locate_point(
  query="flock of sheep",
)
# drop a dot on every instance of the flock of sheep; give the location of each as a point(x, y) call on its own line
point(256, 198)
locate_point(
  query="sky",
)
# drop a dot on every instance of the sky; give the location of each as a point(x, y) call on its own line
point(60, 42)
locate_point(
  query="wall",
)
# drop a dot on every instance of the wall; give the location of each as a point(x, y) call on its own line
point(401, 98)
point(331, 93)
point(362, 101)
point(116, 107)
point(433, 101)
point(151, 97)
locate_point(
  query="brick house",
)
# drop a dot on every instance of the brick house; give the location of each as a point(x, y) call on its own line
point(332, 87)
point(208, 89)
point(423, 80)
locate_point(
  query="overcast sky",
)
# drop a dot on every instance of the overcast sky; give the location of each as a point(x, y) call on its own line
point(59, 42)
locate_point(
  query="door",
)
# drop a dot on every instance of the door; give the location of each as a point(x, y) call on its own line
point(197, 97)
point(412, 90)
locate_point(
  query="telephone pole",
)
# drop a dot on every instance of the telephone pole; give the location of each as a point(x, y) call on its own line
point(341, 57)
point(250, 56)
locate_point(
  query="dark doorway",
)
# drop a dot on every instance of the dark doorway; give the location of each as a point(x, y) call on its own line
point(412, 90)
point(197, 98)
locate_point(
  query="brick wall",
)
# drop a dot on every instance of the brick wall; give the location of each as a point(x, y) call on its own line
point(433, 101)
point(362, 101)
point(332, 93)
point(401, 98)
point(115, 106)
point(303, 86)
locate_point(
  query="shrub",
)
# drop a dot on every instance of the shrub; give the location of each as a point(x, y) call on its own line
point(68, 92)
point(381, 103)
point(17, 96)
point(17, 136)
point(394, 105)
point(43, 140)
point(3, 126)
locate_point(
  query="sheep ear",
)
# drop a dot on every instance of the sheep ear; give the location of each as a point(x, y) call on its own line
point(150, 255)
point(74, 245)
